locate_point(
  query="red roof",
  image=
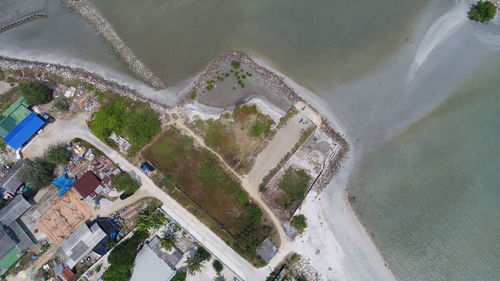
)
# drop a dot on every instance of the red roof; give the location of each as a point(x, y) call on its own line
point(87, 184)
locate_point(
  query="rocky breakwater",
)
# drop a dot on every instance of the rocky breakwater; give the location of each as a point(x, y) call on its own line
point(88, 12)
point(23, 69)
point(277, 84)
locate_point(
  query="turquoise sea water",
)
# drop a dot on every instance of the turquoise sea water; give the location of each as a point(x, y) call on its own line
point(431, 195)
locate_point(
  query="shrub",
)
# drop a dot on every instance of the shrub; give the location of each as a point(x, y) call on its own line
point(2, 75)
point(482, 11)
point(36, 92)
point(299, 222)
point(235, 64)
point(125, 183)
point(218, 267)
point(62, 104)
point(193, 95)
point(179, 276)
point(58, 154)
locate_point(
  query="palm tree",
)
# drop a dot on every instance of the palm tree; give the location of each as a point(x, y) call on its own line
point(168, 242)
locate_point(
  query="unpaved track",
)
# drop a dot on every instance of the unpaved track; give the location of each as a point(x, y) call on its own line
point(252, 190)
point(280, 145)
point(62, 131)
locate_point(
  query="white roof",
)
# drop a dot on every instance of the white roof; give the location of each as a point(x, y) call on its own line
point(148, 266)
point(80, 243)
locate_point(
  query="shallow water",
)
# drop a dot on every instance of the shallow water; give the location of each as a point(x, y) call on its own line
point(428, 195)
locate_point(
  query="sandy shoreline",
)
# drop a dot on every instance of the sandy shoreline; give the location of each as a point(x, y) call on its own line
point(327, 253)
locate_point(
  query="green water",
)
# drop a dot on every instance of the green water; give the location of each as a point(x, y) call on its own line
point(431, 195)
point(317, 42)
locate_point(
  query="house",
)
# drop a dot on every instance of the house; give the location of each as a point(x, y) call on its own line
point(80, 243)
point(267, 250)
point(88, 185)
point(67, 214)
point(14, 238)
point(18, 124)
point(148, 168)
point(14, 210)
point(11, 181)
point(149, 266)
point(63, 272)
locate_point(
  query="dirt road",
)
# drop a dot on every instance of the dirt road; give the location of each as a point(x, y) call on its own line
point(61, 131)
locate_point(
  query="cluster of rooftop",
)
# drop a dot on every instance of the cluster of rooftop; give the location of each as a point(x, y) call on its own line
point(18, 124)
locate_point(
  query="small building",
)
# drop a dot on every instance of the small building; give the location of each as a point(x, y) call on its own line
point(14, 238)
point(88, 185)
point(67, 214)
point(80, 243)
point(63, 272)
point(149, 266)
point(11, 181)
point(267, 250)
point(14, 210)
point(18, 124)
point(148, 168)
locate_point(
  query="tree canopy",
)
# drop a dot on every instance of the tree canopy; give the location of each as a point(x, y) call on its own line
point(168, 242)
point(195, 263)
point(150, 219)
point(131, 119)
point(125, 183)
point(36, 92)
point(58, 154)
point(483, 11)
point(299, 222)
point(122, 257)
point(38, 172)
point(218, 267)
point(179, 276)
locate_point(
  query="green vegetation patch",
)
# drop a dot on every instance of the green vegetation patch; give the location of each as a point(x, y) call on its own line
point(122, 257)
point(237, 137)
point(483, 11)
point(126, 183)
point(195, 178)
point(36, 92)
point(299, 222)
point(132, 119)
point(8, 98)
point(294, 184)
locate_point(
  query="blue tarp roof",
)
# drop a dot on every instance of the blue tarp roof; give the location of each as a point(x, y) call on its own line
point(24, 131)
point(63, 183)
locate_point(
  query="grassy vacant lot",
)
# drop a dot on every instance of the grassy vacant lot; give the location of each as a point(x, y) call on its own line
point(132, 119)
point(238, 137)
point(195, 178)
point(293, 187)
point(8, 98)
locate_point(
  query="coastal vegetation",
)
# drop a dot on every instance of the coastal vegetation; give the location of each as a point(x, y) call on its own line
point(179, 276)
point(294, 184)
point(235, 71)
point(6, 99)
point(58, 154)
point(134, 120)
point(195, 263)
point(299, 222)
point(237, 137)
point(168, 242)
point(218, 267)
point(38, 173)
point(122, 257)
point(195, 178)
point(36, 92)
point(483, 11)
point(126, 183)
point(150, 219)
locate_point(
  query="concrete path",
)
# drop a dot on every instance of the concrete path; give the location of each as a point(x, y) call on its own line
point(282, 143)
point(62, 131)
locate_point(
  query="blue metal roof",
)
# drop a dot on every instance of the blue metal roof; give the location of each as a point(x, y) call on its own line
point(24, 131)
point(63, 183)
